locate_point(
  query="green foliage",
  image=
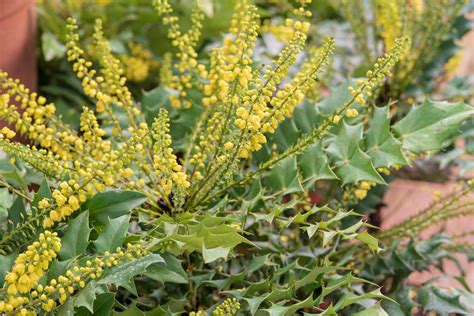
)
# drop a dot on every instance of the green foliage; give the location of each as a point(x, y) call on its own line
point(249, 201)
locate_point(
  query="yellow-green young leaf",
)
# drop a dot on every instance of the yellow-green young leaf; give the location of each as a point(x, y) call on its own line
point(375, 310)
point(113, 234)
point(370, 241)
point(76, 238)
point(352, 164)
point(350, 298)
point(212, 254)
point(112, 204)
point(431, 125)
point(384, 149)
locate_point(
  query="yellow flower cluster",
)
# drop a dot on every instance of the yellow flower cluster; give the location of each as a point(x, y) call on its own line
point(302, 11)
point(139, 64)
point(67, 199)
point(164, 161)
point(35, 119)
point(7, 133)
point(59, 289)
point(282, 104)
point(363, 188)
point(388, 19)
point(282, 33)
point(28, 269)
point(229, 307)
point(186, 42)
point(106, 88)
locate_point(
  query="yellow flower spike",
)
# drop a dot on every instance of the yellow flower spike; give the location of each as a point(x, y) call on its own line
point(164, 161)
point(186, 43)
point(388, 19)
point(29, 266)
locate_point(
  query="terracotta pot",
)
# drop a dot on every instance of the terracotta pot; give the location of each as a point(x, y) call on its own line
point(17, 40)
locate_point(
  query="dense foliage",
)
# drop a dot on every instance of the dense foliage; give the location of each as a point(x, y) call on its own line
point(232, 187)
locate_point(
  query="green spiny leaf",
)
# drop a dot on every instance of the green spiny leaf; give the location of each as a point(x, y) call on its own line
point(113, 234)
point(352, 164)
point(384, 149)
point(432, 124)
point(76, 238)
point(112, 204)
point(125, 271)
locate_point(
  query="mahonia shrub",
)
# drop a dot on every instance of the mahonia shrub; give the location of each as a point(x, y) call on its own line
point(223, 191)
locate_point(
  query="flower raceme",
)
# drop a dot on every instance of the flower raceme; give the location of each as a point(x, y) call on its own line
point(28, 268)
point(26, 296)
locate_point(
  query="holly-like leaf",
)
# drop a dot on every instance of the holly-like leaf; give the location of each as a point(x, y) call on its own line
point(384, 149)
point(352, 164)
point(125, 271)
point(336, 98)
point(441, 301)
point(284, 177)
point(76, 238)
point(278, 310)
point(370, 241)
point(113, 204)
point(103, 304)
point(6, 263)
point(85, 297)
point(16, 213)
point(113, 234)
point(153, 101)
point(431, 125)
point(169, 271)
point(43, 193)
point(314, 165)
